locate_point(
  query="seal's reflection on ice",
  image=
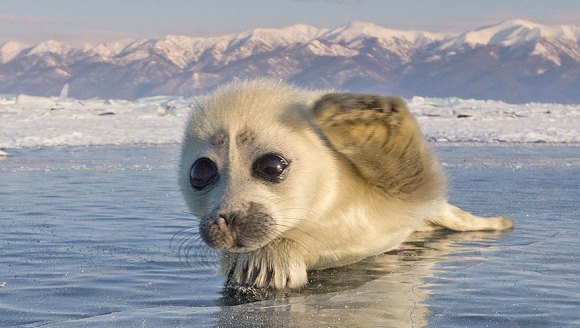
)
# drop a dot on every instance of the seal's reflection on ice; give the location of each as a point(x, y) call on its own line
point(387, 290)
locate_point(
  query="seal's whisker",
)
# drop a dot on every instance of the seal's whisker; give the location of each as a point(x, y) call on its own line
point(190, 246)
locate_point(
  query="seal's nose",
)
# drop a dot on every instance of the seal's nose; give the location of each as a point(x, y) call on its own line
point(225, 219)
point(222, 223)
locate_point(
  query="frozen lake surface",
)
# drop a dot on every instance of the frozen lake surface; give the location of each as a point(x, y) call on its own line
point(89, 236)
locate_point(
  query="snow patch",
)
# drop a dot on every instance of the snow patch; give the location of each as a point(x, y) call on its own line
point(513, 33)
point(359, 30)
point(9, 50)
point(50, 46)
point(28, 121)
point(321, 49)
point(540, 50)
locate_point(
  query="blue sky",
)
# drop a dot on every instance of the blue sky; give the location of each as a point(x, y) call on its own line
point(93, 21)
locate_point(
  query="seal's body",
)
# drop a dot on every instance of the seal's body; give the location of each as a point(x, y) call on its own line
point(284, 180)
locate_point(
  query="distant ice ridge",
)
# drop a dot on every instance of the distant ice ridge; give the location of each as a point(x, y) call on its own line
point(27, 121)
point(492, 121)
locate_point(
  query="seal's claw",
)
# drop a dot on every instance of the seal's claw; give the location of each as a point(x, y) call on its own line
point(266, 268)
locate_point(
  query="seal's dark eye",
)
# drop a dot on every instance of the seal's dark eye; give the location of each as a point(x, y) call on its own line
point(270, 167)
point(203, 173)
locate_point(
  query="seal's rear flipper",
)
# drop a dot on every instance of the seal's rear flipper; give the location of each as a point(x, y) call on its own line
point(454, 218)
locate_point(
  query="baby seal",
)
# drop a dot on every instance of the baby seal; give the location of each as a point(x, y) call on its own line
point(285, 180)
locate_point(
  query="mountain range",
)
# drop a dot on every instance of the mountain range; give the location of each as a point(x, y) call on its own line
point(515, 61)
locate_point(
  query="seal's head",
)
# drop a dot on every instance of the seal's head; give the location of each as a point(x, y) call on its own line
point(253, 167)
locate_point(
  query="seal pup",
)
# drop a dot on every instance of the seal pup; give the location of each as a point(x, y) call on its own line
point(285, 180)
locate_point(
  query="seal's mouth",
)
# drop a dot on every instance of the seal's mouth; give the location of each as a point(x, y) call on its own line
point(238, 231)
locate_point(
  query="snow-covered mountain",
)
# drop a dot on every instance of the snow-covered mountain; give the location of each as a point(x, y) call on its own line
point(515, 61)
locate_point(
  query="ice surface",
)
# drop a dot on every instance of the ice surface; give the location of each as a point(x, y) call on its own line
point(30, 122)
point(90, 237)
point(491, 121)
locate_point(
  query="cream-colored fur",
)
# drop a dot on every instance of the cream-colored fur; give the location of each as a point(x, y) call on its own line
point(360, 179)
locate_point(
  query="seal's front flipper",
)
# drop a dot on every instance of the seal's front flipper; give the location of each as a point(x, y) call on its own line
point(278, 265)
point(381, 138)
point(355, 123)
point(454, 218)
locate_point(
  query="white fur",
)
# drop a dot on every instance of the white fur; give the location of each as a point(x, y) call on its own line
point(326, 214)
